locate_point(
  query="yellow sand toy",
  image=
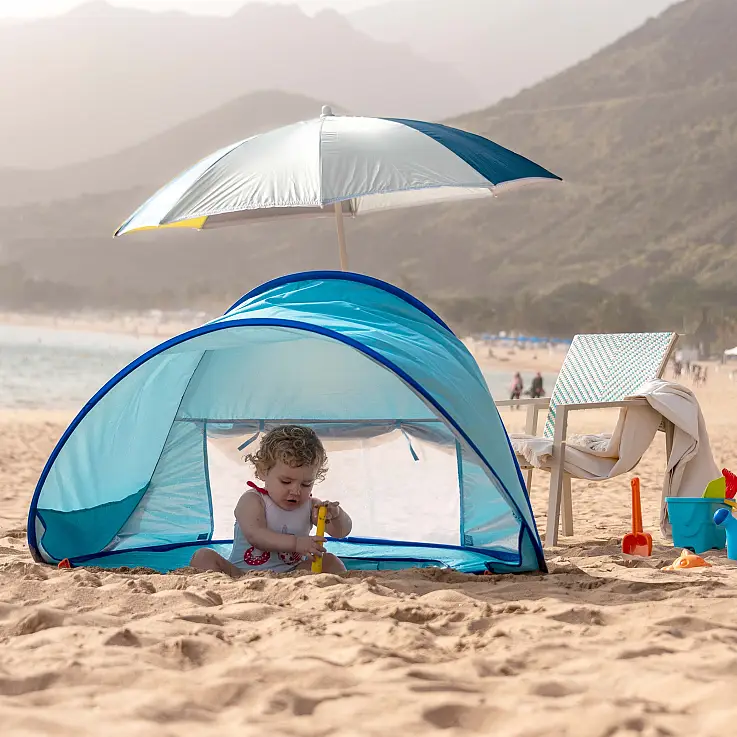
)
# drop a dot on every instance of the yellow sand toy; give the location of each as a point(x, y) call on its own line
point(322, 514)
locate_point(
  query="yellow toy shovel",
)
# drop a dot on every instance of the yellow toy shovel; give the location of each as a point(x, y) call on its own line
point(322, 514)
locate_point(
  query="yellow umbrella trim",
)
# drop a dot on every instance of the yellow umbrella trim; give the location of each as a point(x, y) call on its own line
point(196, 223)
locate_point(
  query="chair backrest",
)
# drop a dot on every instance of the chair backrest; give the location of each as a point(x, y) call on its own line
point(608, 368)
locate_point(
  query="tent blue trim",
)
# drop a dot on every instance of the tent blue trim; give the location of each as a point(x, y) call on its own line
point(501, 556)
point(341, 276)
point(494, 162)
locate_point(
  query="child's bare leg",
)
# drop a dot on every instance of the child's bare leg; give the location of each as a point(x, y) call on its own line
point(207, 559)
point(330, 564)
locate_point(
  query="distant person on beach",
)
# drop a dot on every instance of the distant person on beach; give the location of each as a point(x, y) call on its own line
point(273, 522)
point(516, 387)
point(537, 389)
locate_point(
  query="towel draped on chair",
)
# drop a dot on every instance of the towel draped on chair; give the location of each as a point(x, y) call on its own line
point(689, 468)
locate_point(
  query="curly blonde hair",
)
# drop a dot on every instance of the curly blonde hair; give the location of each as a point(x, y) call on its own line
point(294, 445)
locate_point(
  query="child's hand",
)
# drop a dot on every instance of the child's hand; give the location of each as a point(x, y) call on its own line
point(309, 545)
point(333, 510)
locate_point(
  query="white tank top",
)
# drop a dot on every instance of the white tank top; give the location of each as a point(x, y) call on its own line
point(296, 522)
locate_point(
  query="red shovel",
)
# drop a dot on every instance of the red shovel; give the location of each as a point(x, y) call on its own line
point(637, 542)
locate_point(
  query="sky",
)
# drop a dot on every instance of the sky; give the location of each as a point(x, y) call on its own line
point(41, 8)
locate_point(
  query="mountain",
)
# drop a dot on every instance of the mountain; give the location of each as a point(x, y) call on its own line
point(503, 47)
point(644, 134)
point(152, 163)
point(103, 78)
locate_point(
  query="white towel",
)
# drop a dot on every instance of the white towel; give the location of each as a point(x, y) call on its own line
point(690, 466)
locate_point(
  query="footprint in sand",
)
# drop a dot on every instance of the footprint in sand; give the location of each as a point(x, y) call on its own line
point(41, 619)
point(414, 614)
point(491, 668)
point(459, 716)
point(644, 652)
point(580, 615)
point(123, 638)
point(693, 625)
point(206, 618)
point(287, 701)
point(140, 586)
point(31, 684)
point(190, 651)
point(27, 571)
point(85, 579)
point(555, 689)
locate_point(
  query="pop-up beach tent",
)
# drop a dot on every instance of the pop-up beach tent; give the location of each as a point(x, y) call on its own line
point(153, 465)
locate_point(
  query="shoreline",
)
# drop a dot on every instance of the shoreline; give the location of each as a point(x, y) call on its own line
point(150, 323)
point(165, 325)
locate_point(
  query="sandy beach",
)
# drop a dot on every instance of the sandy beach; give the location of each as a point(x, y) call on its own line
point(605, 645)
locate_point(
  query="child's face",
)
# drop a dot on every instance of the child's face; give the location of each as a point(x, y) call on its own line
point(290, 487)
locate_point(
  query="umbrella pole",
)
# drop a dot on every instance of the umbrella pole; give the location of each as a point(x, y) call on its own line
point(341, 236)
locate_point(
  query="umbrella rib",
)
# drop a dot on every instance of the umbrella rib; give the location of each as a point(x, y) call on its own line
point(199, 178)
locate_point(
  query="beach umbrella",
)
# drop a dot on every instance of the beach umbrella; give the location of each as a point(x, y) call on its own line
point(334, 166)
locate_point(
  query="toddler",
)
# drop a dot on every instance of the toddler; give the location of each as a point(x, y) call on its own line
point(273, 522)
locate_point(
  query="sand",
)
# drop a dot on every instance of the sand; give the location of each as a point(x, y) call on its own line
point(605, 645)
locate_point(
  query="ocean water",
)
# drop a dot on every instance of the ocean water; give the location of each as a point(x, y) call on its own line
point(46, 368)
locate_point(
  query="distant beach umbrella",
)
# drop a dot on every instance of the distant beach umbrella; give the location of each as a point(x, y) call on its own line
point(334, 166)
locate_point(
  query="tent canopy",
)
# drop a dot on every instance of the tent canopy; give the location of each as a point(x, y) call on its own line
point(152, 466)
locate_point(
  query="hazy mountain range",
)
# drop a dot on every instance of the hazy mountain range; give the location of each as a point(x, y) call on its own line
point(500, 46)
point(102, 78)
point(156, 160)
point(644, 133)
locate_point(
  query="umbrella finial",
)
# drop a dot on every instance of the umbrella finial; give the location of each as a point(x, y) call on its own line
point(327, 111)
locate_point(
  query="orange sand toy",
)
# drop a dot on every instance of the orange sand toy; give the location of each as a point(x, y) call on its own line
point(686, 559)
point(637, 542)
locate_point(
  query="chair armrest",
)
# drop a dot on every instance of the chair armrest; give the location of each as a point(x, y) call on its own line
point(533, 405)
point(561, 418)
point(604, 405)
point(540, 402)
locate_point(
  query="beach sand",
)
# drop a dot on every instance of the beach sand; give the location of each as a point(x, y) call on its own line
point(605, 645)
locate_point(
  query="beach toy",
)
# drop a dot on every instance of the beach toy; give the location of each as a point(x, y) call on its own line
point(725, 487)
point(322, 514)
point(686, 560)
point(64, 563)
point(723, 518)
point(637, 542)
point(716, 489)
point(731, 483)
point(692, 521)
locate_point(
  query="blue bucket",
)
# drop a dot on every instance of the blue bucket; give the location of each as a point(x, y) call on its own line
point(693, 523)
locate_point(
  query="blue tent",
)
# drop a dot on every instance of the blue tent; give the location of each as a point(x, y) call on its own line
point(152, 466)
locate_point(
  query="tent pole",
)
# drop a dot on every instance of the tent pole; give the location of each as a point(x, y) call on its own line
point(341, 236)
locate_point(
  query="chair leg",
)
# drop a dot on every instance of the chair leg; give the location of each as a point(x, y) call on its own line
point(529, 481)
point(557, 474)
point(554, 504)
point(567, 506)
